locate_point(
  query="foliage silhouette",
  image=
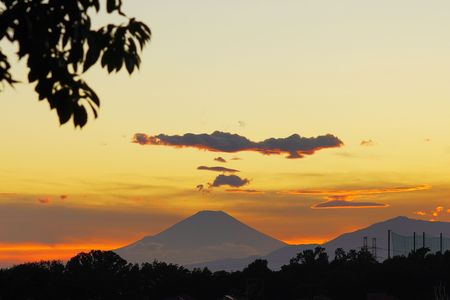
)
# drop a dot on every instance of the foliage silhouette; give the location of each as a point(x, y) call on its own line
point(311, 257)
point(352, 275)
point(59, 44)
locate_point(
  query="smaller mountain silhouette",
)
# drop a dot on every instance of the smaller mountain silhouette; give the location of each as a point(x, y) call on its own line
point(400, 225)
point(352, 240)
point(205, 236)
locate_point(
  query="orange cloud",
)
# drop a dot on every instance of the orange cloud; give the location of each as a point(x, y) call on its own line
point(44, 200)
point(435, 213)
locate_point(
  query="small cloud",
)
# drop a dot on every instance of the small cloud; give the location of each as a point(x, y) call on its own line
point(217, 169)
point(201, 189)
point(294, 146)
point(427, 140)
point(367, 143)
point(220, 159)
point(435, 213)
point(236, 158)
point(43, 200)
point(63, 197)
point(420, 213)
point(347, 204)
point(241, 123)
point(230, 180)
point(239, 191)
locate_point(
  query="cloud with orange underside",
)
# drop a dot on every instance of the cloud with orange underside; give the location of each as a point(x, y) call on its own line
point(294, 146)
point(343, 198)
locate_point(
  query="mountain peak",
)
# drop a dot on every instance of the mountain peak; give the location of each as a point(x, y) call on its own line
point(210, 213)
point(207, 211)
point(206, 235)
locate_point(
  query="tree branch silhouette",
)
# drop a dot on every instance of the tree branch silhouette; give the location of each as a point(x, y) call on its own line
point(59, 44)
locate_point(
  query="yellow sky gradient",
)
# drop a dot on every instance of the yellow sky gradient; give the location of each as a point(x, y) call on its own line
point(361, 70)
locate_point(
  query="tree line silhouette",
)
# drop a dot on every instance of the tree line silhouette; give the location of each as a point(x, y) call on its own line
point(310, 275)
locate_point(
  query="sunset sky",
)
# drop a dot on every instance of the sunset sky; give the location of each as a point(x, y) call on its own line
point(371, 76)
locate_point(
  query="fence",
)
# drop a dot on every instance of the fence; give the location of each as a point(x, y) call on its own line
point(403, 245)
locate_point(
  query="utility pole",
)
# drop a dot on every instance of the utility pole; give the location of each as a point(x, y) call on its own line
point(423, 240)
point(365, 243)
point(374, 247)
point(389, 244)
point(414, 241)
point(440, 242)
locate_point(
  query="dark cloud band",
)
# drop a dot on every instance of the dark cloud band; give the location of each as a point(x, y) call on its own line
point(294, 146)
point(217, 169)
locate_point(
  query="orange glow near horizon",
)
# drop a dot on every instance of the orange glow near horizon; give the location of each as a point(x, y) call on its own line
point(310, 240)
point(21, 253)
